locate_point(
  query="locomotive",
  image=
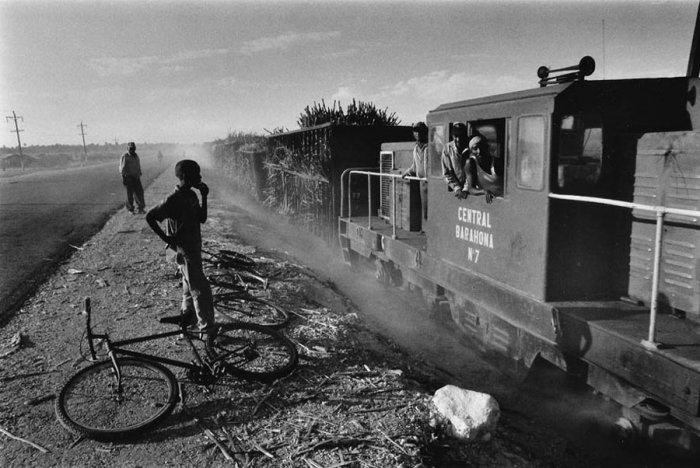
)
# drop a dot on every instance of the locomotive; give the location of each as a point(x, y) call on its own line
point(590, 258)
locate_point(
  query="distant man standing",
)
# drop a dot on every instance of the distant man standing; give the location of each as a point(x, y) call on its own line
point(130, 169)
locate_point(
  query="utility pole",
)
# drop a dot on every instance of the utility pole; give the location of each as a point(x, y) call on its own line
point(694, 59)
point(17, 130)
point(82, 132)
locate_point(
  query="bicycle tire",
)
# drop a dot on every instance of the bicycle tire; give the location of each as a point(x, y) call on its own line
point(236, 281)
point(224, 282)
point(87, 405)
point(249, 309)
point(253, 352)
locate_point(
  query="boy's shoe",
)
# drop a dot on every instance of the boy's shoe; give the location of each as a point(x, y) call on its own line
point(186, 318)
point(209, 340)
point(210, 331)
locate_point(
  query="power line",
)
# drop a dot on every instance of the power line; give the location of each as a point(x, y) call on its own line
point(17, 130)
point(603, 32)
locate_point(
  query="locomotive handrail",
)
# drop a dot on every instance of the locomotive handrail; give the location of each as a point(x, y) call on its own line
point(342, 186)
point(369, 174)
point(660, 211)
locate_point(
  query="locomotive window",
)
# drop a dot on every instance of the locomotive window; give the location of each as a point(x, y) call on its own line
point(494, 132)
point(530, 153)
point(580, 155)
point(436, 141)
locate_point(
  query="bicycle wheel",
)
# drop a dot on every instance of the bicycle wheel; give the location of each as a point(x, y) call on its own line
point(92, 404)
point(240, 280)
point(250, 309)
point(224, 282)
point(253, 352)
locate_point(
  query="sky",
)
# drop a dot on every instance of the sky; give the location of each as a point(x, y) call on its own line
point(194, 71)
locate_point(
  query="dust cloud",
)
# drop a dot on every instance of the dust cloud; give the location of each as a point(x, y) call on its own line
point(197, 152)
point(401, 315)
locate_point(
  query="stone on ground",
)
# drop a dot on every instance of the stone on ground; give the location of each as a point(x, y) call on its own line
point(471, 415)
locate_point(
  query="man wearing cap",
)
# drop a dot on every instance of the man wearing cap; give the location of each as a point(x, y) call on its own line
point(454, 159)
point(419, 166)
point(130, 169)
point(484, 172)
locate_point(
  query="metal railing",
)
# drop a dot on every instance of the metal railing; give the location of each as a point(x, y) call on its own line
point(369, 174)
point(660, 211)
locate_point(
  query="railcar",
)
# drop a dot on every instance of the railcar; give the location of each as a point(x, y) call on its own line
point(589, 259)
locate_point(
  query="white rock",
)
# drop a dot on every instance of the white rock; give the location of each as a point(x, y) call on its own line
point(471, 414)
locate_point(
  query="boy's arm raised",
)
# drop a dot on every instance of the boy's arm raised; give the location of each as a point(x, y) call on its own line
point(204, 191)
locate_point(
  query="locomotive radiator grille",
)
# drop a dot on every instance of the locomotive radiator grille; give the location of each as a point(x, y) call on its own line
point(386, 165)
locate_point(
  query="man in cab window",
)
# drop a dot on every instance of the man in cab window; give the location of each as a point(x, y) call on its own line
point(454, 158)
point(484, 172)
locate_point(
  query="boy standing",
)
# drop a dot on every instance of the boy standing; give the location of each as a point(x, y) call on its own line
point(184, 214)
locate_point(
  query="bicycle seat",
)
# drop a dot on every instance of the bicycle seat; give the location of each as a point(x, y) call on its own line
point(180, 320)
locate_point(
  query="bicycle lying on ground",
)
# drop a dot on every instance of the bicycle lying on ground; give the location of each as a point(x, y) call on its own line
point(236, 290)
point(130, 392)
point(237, 265)
point(241, 306)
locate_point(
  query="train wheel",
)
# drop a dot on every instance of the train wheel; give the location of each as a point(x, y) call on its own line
point(652, 410)
point(623, 433)
point(387, 273)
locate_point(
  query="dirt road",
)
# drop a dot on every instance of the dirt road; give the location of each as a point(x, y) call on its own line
point(43, 213)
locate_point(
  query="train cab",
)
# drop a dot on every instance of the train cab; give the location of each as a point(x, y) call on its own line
point(561, 139)
point(547, 267)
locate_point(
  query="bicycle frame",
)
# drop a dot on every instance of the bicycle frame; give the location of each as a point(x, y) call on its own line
point(114, 348)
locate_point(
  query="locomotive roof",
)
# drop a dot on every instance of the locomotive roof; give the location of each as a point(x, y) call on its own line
point(513, 96)
point(624, 86)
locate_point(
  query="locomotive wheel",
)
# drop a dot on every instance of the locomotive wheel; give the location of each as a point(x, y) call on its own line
point(651, 410)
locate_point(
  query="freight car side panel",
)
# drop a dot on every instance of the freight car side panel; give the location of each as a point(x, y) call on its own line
point(668, 173)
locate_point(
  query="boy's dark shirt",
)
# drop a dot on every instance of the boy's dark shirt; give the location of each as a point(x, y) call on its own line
point(182, 211)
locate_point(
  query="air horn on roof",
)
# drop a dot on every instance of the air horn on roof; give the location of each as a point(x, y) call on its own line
point(585, 67)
